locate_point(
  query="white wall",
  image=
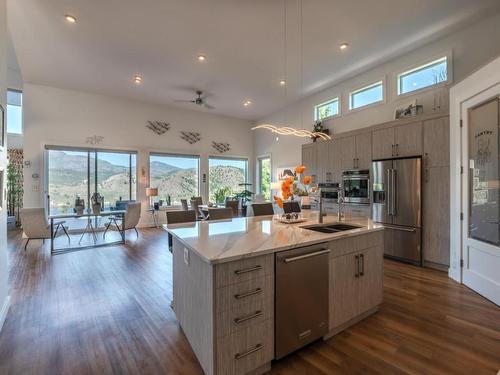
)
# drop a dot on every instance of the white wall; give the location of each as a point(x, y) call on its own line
point(471, 47)
point(55, 116)
point(4, 299)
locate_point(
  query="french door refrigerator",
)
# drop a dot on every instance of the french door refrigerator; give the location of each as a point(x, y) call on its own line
point(397, 192)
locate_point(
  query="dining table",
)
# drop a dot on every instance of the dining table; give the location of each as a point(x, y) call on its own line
point(90, 228)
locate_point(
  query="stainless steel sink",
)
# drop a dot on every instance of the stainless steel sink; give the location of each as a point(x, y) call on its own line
point(331, 228)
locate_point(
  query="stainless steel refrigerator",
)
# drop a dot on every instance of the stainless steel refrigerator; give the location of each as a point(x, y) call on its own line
point(396, 200)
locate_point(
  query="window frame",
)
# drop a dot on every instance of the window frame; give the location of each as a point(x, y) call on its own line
point(381, 81)
point(89, 151)
point(422, 64)
point(242, 158)
point(332, 100)
point(176, 155)
point(6, 130)
point(259, 173)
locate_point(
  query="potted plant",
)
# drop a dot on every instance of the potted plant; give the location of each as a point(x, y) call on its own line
point(245, 196)
point(221, 194)
point(319, 128)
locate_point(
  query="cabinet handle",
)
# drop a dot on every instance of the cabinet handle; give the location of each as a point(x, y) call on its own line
point(426, 175)
point(248, 294)
point(246, 270)
point(392, 148)
point(248, 317)
point(397, 149)
point(356, 260)
point(250, 351)
point(362, 261)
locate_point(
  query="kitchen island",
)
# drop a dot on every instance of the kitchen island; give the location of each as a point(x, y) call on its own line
point(224, 283)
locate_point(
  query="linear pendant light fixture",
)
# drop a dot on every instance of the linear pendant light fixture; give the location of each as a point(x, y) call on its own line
point(287, 130)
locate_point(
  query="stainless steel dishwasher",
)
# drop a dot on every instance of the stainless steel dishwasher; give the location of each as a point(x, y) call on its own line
point(301, 297)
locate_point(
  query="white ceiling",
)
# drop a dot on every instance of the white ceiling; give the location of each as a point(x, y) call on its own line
point(243, 41)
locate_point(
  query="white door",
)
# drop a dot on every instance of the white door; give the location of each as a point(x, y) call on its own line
point(481, 193)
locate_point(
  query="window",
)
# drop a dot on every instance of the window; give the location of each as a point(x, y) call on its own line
point(14, 112)
point(426, 75)
point(175, 176)
point(81, 172)
point(264, 165)
point(366, 95)
point(325, 110)
point(225, 177)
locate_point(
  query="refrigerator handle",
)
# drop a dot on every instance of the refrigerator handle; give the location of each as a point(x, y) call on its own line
point(394, 189)
point(389, 192)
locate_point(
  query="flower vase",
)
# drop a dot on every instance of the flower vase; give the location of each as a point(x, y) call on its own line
point(305, 202)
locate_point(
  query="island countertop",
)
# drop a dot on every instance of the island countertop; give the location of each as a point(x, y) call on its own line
point(221, 241)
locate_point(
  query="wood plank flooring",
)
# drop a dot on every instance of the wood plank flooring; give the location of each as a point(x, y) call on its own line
point(106, 311)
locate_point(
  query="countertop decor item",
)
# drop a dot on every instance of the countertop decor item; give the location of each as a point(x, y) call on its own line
point(190, 137)
point(291, 218)
point(158, 127)
point(293, 186)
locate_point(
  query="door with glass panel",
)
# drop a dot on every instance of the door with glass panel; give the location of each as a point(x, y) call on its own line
point(481, 194)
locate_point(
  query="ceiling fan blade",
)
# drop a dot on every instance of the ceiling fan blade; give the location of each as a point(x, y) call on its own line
point(208, 106)
point(184, 101)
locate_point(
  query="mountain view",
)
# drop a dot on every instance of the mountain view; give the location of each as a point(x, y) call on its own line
point(68, 179)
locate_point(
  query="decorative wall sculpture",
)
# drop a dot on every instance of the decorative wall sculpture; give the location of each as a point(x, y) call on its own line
point(190, 137)
point(158, 127)
point(221, 147)
point(94, 140)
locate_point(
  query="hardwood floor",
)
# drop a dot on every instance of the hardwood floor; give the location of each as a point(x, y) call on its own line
point(106, 311)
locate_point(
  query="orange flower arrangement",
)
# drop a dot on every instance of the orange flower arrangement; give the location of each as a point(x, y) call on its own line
point(289, 187)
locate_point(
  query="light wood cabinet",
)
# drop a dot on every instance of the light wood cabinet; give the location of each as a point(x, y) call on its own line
point(408, 140)
point(437, 142)
point(334, 161)
point(364, 151)
point(355, 284)
point(347, 152)
point(323, 161)
point(356, 151)
point(436, 217)
point(383, 143)
point(309, 159)
point(398, 141)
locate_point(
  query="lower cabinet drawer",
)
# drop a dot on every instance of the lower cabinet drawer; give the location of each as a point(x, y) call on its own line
point(245, 350)
point(244, 316)
point(237, 295)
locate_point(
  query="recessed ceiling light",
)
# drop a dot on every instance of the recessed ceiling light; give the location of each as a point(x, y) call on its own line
point(201, 57)
point(138, 79)
point(344, 46)
point(282, 82)
point(247, 103)
point(70, 18)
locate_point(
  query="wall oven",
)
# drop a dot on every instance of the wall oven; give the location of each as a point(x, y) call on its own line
point(356, 186)
point(329, 191)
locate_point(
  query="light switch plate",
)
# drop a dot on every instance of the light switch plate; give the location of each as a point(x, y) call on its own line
point(186, 256)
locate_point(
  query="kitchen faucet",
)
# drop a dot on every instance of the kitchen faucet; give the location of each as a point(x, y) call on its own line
point(320, 218)
point(341, 213)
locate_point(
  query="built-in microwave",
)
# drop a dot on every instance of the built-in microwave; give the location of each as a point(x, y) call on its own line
point(356, 186)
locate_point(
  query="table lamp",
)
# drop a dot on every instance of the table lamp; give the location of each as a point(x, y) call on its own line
point(151, 192)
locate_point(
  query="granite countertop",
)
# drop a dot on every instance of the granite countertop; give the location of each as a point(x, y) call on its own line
point(221, 241)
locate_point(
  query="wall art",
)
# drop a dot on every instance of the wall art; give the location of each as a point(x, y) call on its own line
point(158, 127)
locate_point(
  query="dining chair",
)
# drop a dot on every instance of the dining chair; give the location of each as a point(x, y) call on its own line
point(234, 205)
point(289, 207)
point(220, 213)
point(177, 217)
point(184, 205)
point(261, 209)
point(131, 219)
point(36, 226)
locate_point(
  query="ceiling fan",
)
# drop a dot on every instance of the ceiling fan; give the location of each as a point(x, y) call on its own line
point(200, 100)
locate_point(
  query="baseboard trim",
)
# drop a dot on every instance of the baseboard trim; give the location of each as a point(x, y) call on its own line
point(4, 311)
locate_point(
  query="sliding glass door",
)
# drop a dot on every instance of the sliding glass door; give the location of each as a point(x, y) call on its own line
point(76, 173)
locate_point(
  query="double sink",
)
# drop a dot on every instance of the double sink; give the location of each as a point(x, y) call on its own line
point(331, 228)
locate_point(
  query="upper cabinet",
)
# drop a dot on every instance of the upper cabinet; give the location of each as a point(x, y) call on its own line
point(437, 142)
point(356, 151)
point(322, 157)
point(309, 159)
point(397, 141)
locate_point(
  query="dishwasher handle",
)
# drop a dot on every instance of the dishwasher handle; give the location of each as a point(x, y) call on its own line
point(305, 256)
